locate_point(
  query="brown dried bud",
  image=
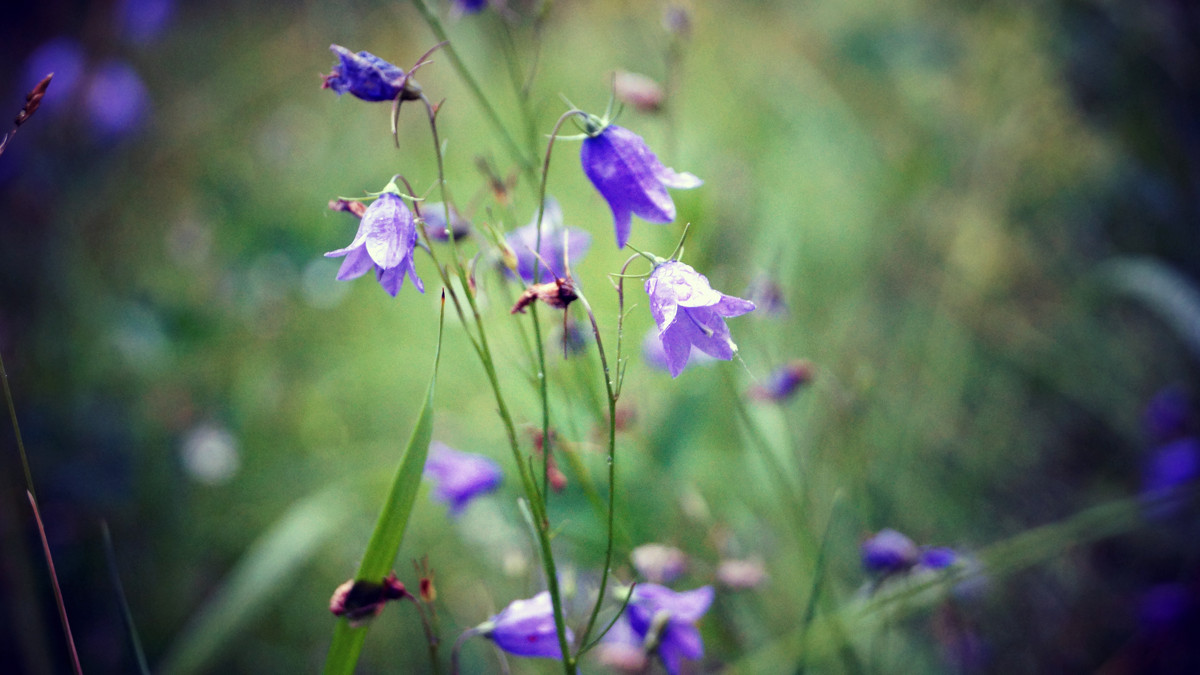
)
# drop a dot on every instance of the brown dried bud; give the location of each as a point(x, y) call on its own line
point(639, 91)
point(33, 99)
point(349, 205)
point(361, 601)
point(558, 294)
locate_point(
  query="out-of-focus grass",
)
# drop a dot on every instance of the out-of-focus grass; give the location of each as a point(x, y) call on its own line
point(920, 178)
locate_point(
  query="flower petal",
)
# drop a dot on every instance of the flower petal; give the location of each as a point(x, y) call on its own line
point(387, 222)
point(355, 265)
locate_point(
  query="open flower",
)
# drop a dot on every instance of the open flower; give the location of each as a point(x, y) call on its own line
point(369, 77)
point(460, 476)
point(631, 179)
point(665, 621)
point(385, 240)
point(557, 240)
point(689, 313)
point(526, 628)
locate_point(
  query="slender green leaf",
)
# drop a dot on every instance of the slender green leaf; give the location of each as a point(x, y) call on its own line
point(385, 541)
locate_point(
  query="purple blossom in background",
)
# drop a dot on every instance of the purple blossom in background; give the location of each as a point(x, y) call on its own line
point(141, 21)
point(767, 295)
point(631, 179)
point(556, 240)
point(1164, 607)
point(671, 617)
point(62, 56)
point(368, 77)
point(116, 99)
point(435, 222)
point(690, 313)
point(784, 381)
point(460, 476)
point(937, 557)
point(658, 563)
point(888, 552)
point(385, 240)
point(1167, 415)
point(526, 628)
point(470, 6)
point(1171, 466)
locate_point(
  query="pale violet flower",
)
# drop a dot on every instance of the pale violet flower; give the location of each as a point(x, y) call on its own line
point(384, 242)
point(689, 313)
point(526, 628)
point(460, 476)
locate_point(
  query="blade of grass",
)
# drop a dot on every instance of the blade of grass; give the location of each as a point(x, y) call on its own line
point(393, 520)
point(111, 556)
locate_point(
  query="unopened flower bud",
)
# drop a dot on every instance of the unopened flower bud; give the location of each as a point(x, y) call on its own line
point(639, 91)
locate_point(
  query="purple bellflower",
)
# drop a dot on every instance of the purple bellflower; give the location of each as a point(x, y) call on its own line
point(665, 621)
point(385, 240)
point(630, 178)
point(689, 313)
point(369, 77)
point(1171, 467)
point(435, 222)
point(556, 241)
point(460, 476)
point(526, 628)
point(889, 552)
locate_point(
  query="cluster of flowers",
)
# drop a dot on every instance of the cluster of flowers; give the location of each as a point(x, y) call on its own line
point(688, 312)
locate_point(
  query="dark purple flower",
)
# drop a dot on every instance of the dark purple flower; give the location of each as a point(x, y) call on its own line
point(470, 6)
point(938, 557)
point(631, 179)
point(784, 381)
point(888, 552)
point(689, 313)
point(666, 619)
point(116, 99)
point(526, 628)
point(141, 21)
point(1168, 415)
point(1171, 466)
point(556, 240)
point(460, 476)
point(368, 77)
point(385, 240)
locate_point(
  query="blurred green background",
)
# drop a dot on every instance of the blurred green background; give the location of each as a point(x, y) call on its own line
point(983, 217)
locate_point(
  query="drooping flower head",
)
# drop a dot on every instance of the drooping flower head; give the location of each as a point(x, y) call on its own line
point(557, 240)
point(630, 177)
point(655, 356)
point(689, 313)
point(460, 476)
point(369, 77)
point(385, 240)
point(665, 620)
point(526, 628)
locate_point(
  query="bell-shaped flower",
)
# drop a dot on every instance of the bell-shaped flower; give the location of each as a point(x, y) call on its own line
point(631, 179)
point(665, 621)
point(557, 241)
point(435, 222)
point(526, 628)
point(460, 476)
point(369, 77)
point(689, 313)
point(385, 240)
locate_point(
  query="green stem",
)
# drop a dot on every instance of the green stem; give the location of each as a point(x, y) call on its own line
point(536, 503)
point(435, 25)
